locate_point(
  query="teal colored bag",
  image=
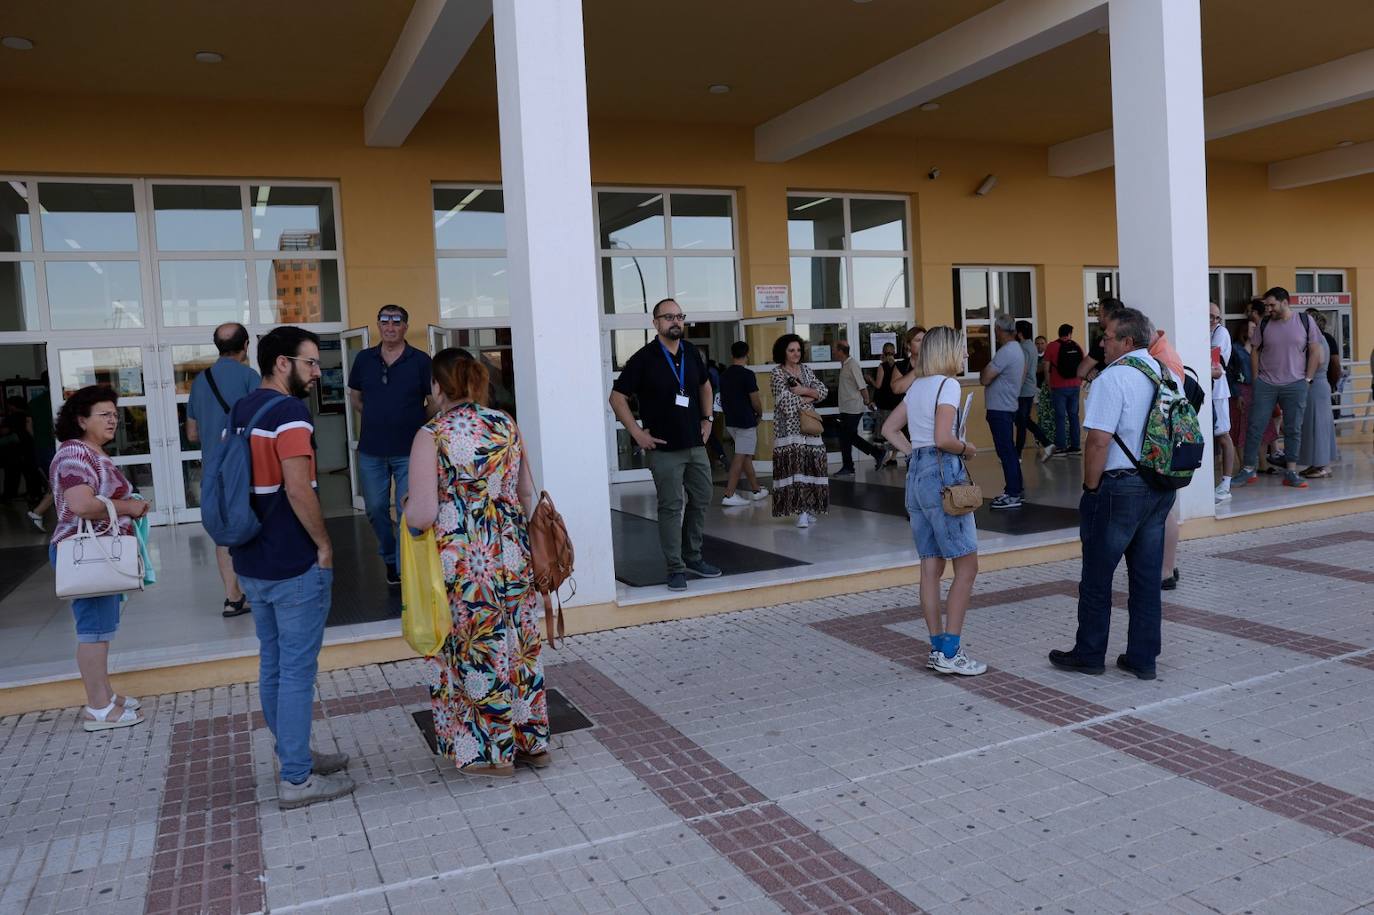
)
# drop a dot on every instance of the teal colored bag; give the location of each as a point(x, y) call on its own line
point(141, 532)
point(1171, 448)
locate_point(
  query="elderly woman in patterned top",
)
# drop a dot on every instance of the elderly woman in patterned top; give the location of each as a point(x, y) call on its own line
point(801, 477)
point(469, 480)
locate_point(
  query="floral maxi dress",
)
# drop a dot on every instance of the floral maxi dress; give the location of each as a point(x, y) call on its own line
point(487, 681)
point(801, 476)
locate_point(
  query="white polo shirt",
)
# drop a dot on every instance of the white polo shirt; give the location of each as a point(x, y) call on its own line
point(1120, 403)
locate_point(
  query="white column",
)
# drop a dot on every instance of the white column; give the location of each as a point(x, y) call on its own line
point(1161, 187)
point(551, 271)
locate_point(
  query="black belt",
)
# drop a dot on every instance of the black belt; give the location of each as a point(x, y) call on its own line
point(1117, 474)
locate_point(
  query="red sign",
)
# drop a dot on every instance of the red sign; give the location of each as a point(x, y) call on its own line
point(1320, 300)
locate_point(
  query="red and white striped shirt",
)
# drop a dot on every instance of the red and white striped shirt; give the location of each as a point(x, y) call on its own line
point(78, 464)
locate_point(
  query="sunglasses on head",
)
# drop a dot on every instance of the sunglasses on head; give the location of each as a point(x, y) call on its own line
point(390, 319)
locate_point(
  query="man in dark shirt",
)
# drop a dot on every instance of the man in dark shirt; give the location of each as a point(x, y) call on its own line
point(390, 383)
point(668, 379)
point(739, 400)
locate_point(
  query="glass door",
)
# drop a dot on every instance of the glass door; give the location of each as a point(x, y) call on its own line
point(354, 341)
point(144, 438)
point(439, 338)
point(181, 361)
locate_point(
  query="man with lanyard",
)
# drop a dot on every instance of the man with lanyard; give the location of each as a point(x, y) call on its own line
point(213, 395)
point(669, 380)
point(390, 388)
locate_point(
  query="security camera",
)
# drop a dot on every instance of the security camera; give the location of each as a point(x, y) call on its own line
point(933, 173)
point(988, 184)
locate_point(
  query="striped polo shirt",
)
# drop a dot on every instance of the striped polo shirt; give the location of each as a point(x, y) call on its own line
point(283, 549)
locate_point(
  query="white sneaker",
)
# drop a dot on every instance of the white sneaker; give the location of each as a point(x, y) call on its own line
point(1223, 493)
point(37, 520)
point(1005, 501)
point(760, 494)
point(930, 659)
point(1046, 453)
point(959, 664)
point(804, 519)
point(736, 499)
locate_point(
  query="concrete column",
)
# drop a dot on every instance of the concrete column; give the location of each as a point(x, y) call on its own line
point(1161, 187)
point(551, 270)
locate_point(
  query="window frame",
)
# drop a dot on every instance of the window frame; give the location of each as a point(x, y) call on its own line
point(1090, 310)
point(479, 322)
point(963, 322)
point(1228, 318)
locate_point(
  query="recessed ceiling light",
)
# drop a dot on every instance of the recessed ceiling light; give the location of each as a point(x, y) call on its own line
point(718, 88)
point(16, 43)
point(1345, 143)
point(208, 57)
point(931, 106)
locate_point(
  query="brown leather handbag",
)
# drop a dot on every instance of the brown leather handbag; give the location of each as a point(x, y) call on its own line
point(810, 422)
point(959, 498)
point(552, 552)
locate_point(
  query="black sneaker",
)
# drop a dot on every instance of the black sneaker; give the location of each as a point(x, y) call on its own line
point(677, 581)
point(1169, 584)
point(393, 577)
point(703, 569)
point(1066, 660)
point(1130, 668)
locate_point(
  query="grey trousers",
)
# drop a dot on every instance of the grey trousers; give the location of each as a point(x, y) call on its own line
point(1292, 399)
point(681, 522)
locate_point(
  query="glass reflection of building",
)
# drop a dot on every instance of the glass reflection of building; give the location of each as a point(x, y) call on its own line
point(298, 281)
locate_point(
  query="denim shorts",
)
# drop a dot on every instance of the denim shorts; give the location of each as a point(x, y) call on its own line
point(937, 535)
point(97, 618)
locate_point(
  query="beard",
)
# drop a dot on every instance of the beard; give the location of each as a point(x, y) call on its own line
point(299, 386)
point(674, 332)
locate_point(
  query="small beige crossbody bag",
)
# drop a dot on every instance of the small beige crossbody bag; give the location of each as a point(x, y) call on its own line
point(958, 498)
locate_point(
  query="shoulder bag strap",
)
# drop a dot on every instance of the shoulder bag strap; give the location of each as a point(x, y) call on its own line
point(935, 419)
point(214, 389)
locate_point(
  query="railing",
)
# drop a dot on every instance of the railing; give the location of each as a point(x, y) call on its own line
point(1355, 401)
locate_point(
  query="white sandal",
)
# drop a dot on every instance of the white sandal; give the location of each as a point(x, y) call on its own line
point(128, 702)
point(100, 720)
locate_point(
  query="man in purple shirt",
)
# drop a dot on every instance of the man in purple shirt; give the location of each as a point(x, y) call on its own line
point(1288, 355)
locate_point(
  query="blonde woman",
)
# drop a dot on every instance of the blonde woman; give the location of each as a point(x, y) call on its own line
point(937, 453)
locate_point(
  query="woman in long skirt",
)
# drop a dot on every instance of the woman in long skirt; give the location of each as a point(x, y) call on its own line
point(801, 478)
point(1318, 450)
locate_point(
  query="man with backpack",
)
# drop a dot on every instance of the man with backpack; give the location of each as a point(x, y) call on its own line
point(1288, 354)
point(1063, 356)
point(1143, 443)
point(282, 553)
point(213, 393)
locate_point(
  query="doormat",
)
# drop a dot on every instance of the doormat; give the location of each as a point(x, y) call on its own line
point(639, 559)
point(18, 563)
point(361, 594)
point(563, 717)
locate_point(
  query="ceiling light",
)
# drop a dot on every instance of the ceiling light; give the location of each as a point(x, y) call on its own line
point(931, 106)
point(208, 57)
point(1344, 143)
point(718, 88)
point(986, 187)
point(15, 43)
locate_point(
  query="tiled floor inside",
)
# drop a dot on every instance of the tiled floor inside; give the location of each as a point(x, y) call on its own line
point(797, 758)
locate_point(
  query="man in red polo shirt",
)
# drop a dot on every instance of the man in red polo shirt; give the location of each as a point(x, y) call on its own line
point(1063, 357)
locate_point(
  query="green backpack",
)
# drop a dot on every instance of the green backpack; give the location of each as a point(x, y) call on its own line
point(1171, 448)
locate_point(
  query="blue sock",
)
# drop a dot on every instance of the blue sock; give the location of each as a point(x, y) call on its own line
point(951, 647)
point(937, 642)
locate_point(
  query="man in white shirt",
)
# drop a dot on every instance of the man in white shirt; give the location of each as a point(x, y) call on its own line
point(853, 405)
point(1121, 514)
point(1221, 402)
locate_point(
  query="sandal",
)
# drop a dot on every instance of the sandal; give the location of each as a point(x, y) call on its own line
point(100, 718)
point(1320, 473)
point(234, 608)
point(488, 769)
point(540, 760)
point(127, 701)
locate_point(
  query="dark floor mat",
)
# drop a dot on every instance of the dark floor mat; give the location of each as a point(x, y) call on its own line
point(639, 560)
point(563, 717)
point(18, 563)
point(361, 594)
point(1030, 518)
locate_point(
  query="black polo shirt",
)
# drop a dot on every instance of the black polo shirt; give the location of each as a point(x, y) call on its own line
point(393, 399)
point(649, 378)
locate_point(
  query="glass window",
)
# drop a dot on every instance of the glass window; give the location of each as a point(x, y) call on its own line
point(979, 346)
point(87, 217)
point(630, 220)
point(815, 223)
point(705, 284)
point(191, 473)
point(877, 225)
point(18, 296)
point(91, 295)
point(132, 435)
point(192, 217)
point(818, 282)
point(1014, 292)
point(120, 368)
point(981, 295)
point(868, 330)
point(820, 341)
point(624, 344)
point(305, 308)
point(971, 294)
point(469, 218)
point(702, 221)
point(203, 292)
point(1240, 289)
point(880, 282)
point(188, 361)
point(631, 285)
point(292, 218)
point(473, 287)
point(15, 234)
point(1305, 282)
point(1330, 282)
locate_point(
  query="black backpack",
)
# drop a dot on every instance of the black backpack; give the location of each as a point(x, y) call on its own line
point(1192, 391)
point(1070, 356)
point(1235, 369)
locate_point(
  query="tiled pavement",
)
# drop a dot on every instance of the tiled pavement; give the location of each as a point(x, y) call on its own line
point(793, 759)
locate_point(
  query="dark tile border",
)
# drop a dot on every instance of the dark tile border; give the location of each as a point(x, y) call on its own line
point(1278, 556)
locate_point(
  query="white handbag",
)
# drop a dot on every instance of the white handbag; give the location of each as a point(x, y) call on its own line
point(99, 559)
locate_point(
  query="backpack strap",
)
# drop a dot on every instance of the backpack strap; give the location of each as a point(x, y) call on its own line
point(1145, 430)
point(214, 389)
point(1306, 332)
point(262, 411)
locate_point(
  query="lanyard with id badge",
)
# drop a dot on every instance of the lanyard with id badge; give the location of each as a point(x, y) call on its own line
point(679, 372)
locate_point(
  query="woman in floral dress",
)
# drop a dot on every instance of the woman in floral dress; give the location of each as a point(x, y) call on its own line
point(470, 482)
point(801, 476)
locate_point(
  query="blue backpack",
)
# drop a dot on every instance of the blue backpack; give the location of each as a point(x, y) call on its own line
point(226, 487)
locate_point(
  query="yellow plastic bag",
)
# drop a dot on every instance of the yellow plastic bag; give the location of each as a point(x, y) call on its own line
point(425, 616)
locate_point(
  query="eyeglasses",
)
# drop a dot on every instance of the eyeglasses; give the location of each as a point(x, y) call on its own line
point(106, 414)
point(390, 319)
point(671, 317)
point(313, 363)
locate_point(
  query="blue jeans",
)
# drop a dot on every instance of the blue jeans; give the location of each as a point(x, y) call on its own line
point(936, 533)
point(289, 616)
point(1065, 402)
point(1292, 400)
point(1125, 517)
point(1025, 421)
point(375, 474)
point(1003, 424)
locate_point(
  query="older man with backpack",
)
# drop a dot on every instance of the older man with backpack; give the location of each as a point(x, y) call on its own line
point(1143, 443)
